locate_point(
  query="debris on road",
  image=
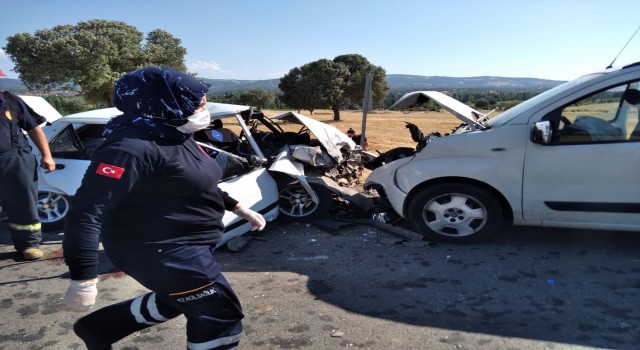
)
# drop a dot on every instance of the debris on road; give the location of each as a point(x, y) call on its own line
point(336, 333)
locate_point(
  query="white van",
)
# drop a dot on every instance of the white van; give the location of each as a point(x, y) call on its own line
point(569, 157)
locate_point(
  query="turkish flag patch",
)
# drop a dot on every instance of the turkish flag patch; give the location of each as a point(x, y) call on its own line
point(110, 170)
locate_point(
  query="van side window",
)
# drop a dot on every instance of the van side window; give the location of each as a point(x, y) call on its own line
point(604, 117)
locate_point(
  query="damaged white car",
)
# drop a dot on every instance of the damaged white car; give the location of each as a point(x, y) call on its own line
point(568, 157)
point(293, 175)
point(325, 161)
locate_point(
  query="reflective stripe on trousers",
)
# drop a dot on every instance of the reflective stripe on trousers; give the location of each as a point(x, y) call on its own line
point(31, 227)
point(213, 344)
point(146, 305)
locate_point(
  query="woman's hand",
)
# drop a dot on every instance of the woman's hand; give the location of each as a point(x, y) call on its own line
point(80, 296)
point(256, 220)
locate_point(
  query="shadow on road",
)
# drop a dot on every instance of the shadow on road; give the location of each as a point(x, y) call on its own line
point(567, 286)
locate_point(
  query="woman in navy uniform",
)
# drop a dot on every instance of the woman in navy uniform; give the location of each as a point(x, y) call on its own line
point(151, 195)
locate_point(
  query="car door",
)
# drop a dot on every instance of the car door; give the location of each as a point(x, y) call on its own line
point(589, 175)
point(248, 183)
point(256, 190)
point(71, 149)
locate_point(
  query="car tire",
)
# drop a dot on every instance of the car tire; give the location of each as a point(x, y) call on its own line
point(296, 204)
point(52, 209)
point(455, 213)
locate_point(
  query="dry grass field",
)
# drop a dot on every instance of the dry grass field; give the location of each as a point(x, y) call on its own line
point(385, 129)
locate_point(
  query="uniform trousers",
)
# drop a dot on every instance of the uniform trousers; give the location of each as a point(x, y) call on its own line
point(19, 197)
point(184, 280)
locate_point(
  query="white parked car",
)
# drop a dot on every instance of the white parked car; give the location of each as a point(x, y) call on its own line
point(569, 157)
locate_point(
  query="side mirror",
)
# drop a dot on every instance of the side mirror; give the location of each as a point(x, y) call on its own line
point(542, 133)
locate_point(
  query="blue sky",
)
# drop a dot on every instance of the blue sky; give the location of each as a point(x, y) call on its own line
point(264, 39)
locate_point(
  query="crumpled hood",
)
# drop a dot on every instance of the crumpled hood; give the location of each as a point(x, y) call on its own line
point(330, 137)
point(463, 112)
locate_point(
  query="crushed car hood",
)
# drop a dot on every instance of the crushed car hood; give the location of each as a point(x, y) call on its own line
point(463, 112)
point(330, 137)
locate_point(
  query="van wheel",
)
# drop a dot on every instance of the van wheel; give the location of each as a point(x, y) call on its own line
point(52, 209)
point(455, 213)
point(296, 204)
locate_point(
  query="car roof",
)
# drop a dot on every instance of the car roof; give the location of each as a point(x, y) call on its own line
point(102, 116)
point(96, 116)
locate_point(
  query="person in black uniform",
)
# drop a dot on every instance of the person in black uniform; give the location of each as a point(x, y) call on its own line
point(18, 172)
point(151, 195)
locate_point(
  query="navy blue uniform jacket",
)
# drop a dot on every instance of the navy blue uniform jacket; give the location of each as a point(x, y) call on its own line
point(143, 190)
point(27, 120)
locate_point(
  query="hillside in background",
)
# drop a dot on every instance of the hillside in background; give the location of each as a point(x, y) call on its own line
point(404, 82)
point(397, 83)
point(11, 85)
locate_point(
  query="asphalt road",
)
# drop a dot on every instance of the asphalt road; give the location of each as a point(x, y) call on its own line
point(305, 287)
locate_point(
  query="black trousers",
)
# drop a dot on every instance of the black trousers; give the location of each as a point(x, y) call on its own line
point(19, 197)
point(184, 280)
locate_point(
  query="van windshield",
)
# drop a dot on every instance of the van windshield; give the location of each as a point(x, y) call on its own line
point(511, 113)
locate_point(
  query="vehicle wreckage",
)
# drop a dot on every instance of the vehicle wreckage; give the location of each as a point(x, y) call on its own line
point(318, 167)
point(314, 166)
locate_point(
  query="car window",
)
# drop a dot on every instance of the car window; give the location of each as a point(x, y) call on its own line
point(77, 143)
point(67, 145)
point(231, 165)
point(603, 117)
point(512, 113)
point(91, 137)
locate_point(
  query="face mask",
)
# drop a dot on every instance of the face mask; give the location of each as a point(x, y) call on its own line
point(196, 122)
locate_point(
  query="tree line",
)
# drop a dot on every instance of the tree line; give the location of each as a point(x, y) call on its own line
point(479, 99)
point(263, 99)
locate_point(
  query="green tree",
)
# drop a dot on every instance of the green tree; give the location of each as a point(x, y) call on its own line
point(68, 105)
point(163, 49)
point(291, 93)
point(359, 67)
point(481, 103)
point(315, 85)
point(332, 84)
point(260, 98)
point(92, 54)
